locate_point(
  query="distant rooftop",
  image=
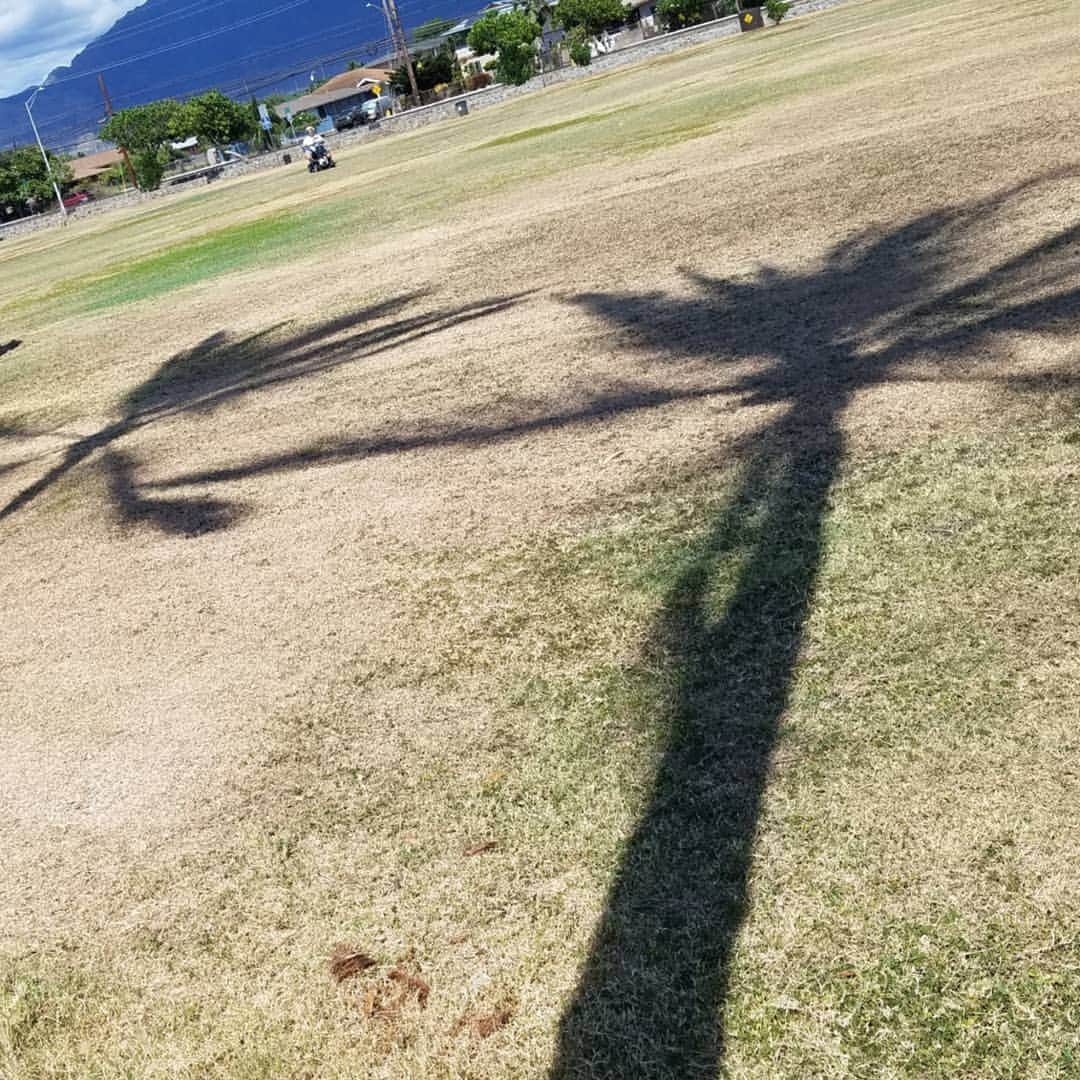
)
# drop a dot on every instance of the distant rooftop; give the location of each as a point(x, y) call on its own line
point(92, 164)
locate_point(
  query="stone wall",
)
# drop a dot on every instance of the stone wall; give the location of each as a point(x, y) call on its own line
point(631, 54)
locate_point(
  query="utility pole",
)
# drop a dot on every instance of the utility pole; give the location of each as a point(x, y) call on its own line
point(401, 45)
point(108, 112)
point(44, 156)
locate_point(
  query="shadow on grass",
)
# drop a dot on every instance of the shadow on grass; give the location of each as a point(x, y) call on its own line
point(221, 369)
point(9, 346)
point(649, 1003)
point(650, 998)
point(817, 328)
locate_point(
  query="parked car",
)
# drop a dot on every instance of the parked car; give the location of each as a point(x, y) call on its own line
point(377, 108)
point(77, 198)
point(351, 118)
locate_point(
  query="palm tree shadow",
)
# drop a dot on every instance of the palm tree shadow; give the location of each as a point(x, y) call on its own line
point(650, 998)
point(223, 368)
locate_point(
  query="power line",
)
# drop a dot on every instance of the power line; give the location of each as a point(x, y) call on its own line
point(367, 46)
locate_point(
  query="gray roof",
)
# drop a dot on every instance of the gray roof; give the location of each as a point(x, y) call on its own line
point(323, 97)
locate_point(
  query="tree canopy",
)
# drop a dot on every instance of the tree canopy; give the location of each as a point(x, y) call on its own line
point(432, 69)
point(215, 119)
point(512, 36)
point(23, 175)
point(590, 17)
point(143, 130)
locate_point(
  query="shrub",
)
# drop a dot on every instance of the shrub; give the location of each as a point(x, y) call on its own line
point(580, 53)
point(577, 45)
point(215, 119)
point(478, 81)
point(675, 14)
point(776, 9)
point(149, 168)
point(512, 35)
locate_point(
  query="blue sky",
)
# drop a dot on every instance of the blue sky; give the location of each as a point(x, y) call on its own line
point(39, 35)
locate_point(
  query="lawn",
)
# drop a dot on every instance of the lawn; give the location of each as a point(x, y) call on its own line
point(604, 569)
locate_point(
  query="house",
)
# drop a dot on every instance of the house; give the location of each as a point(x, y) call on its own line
point(470, 63)
point(340, 94)
point(356, 76)
point(90, 165)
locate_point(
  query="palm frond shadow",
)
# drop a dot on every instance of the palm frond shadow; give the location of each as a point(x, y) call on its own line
point(223, 368)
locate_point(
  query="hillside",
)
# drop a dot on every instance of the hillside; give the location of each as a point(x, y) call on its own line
point(175, 47)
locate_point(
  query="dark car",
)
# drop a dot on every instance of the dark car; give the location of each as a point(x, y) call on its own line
point(352, 118)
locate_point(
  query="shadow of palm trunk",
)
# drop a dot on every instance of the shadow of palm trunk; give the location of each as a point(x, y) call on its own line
point(650, 999)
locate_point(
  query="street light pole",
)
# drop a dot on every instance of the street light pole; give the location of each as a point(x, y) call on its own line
point(386, 19)
point(44, 156)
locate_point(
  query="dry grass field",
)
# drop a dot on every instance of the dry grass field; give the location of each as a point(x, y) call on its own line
point(610, 560)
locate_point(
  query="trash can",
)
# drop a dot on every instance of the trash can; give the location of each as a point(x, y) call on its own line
point(462, 108)
point(286, 159)
point(751, 19)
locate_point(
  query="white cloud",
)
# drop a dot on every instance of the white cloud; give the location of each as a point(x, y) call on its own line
point(39, 35)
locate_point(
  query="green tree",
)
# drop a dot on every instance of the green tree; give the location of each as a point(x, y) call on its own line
point(540, 10)
point(777, 9)
point(143, 130)
point(677, 13)
point(431, 69)
point(578, 47)
point(590, 17)
point(216, 119)
point(512, 36)
point(23, 175)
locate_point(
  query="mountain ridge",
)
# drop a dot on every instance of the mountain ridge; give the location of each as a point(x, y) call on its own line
point(174, 48)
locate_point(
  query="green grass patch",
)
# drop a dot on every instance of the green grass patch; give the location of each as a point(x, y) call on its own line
point(38, 1009)
point(223, 251)
point(189, 262)
point(548, 129)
